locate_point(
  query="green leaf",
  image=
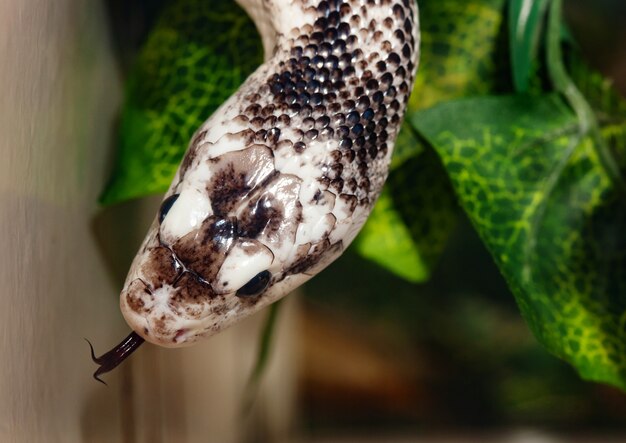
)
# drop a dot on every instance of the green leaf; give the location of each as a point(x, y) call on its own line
point(526, 23)
point(463, 51)
point(197, 55)
point(604, 100)
point(542, 202)
point(461, 55)
point(409, 228)
point(608, 106)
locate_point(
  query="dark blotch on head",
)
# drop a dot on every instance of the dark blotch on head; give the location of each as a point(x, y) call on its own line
point(203, 251)
point(263, 215)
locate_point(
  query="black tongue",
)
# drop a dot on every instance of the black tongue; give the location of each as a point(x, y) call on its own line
point(115, 356)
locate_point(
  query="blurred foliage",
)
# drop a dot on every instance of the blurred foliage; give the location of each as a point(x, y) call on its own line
point(473, 361)
point(196, 56)
point(538, 175)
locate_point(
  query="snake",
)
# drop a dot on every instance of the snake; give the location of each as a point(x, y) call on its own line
point(279, 180)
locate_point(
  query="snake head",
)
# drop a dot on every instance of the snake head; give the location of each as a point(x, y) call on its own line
point(279, 181)
point(232, 236)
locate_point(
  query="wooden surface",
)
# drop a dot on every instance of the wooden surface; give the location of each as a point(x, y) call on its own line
point(514, 436)
point(63, 260)
point(59, 95)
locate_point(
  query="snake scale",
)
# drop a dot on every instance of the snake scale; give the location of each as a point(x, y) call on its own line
point(280, 179)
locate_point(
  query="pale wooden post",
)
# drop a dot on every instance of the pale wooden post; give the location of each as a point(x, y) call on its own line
point(59, 95)
point(62, 260)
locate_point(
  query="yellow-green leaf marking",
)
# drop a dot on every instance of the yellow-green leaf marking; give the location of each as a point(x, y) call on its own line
point(571, 284)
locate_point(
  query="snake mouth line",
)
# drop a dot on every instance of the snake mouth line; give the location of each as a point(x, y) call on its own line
point(110, 360)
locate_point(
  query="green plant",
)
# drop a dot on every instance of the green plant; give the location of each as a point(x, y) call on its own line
point(528, 140)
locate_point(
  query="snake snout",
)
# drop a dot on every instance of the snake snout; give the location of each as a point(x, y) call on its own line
point(159, 316)
point(164, 301)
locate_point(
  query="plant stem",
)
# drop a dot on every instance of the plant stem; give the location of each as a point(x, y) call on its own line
point(564, 85)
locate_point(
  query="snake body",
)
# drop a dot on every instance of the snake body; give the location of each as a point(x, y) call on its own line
point(278, 182)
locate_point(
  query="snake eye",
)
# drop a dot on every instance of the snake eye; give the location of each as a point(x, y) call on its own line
point(166, 206)
point(256, 285)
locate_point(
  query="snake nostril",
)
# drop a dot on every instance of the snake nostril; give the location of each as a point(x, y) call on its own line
point(179, 334)
point(138, 297)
